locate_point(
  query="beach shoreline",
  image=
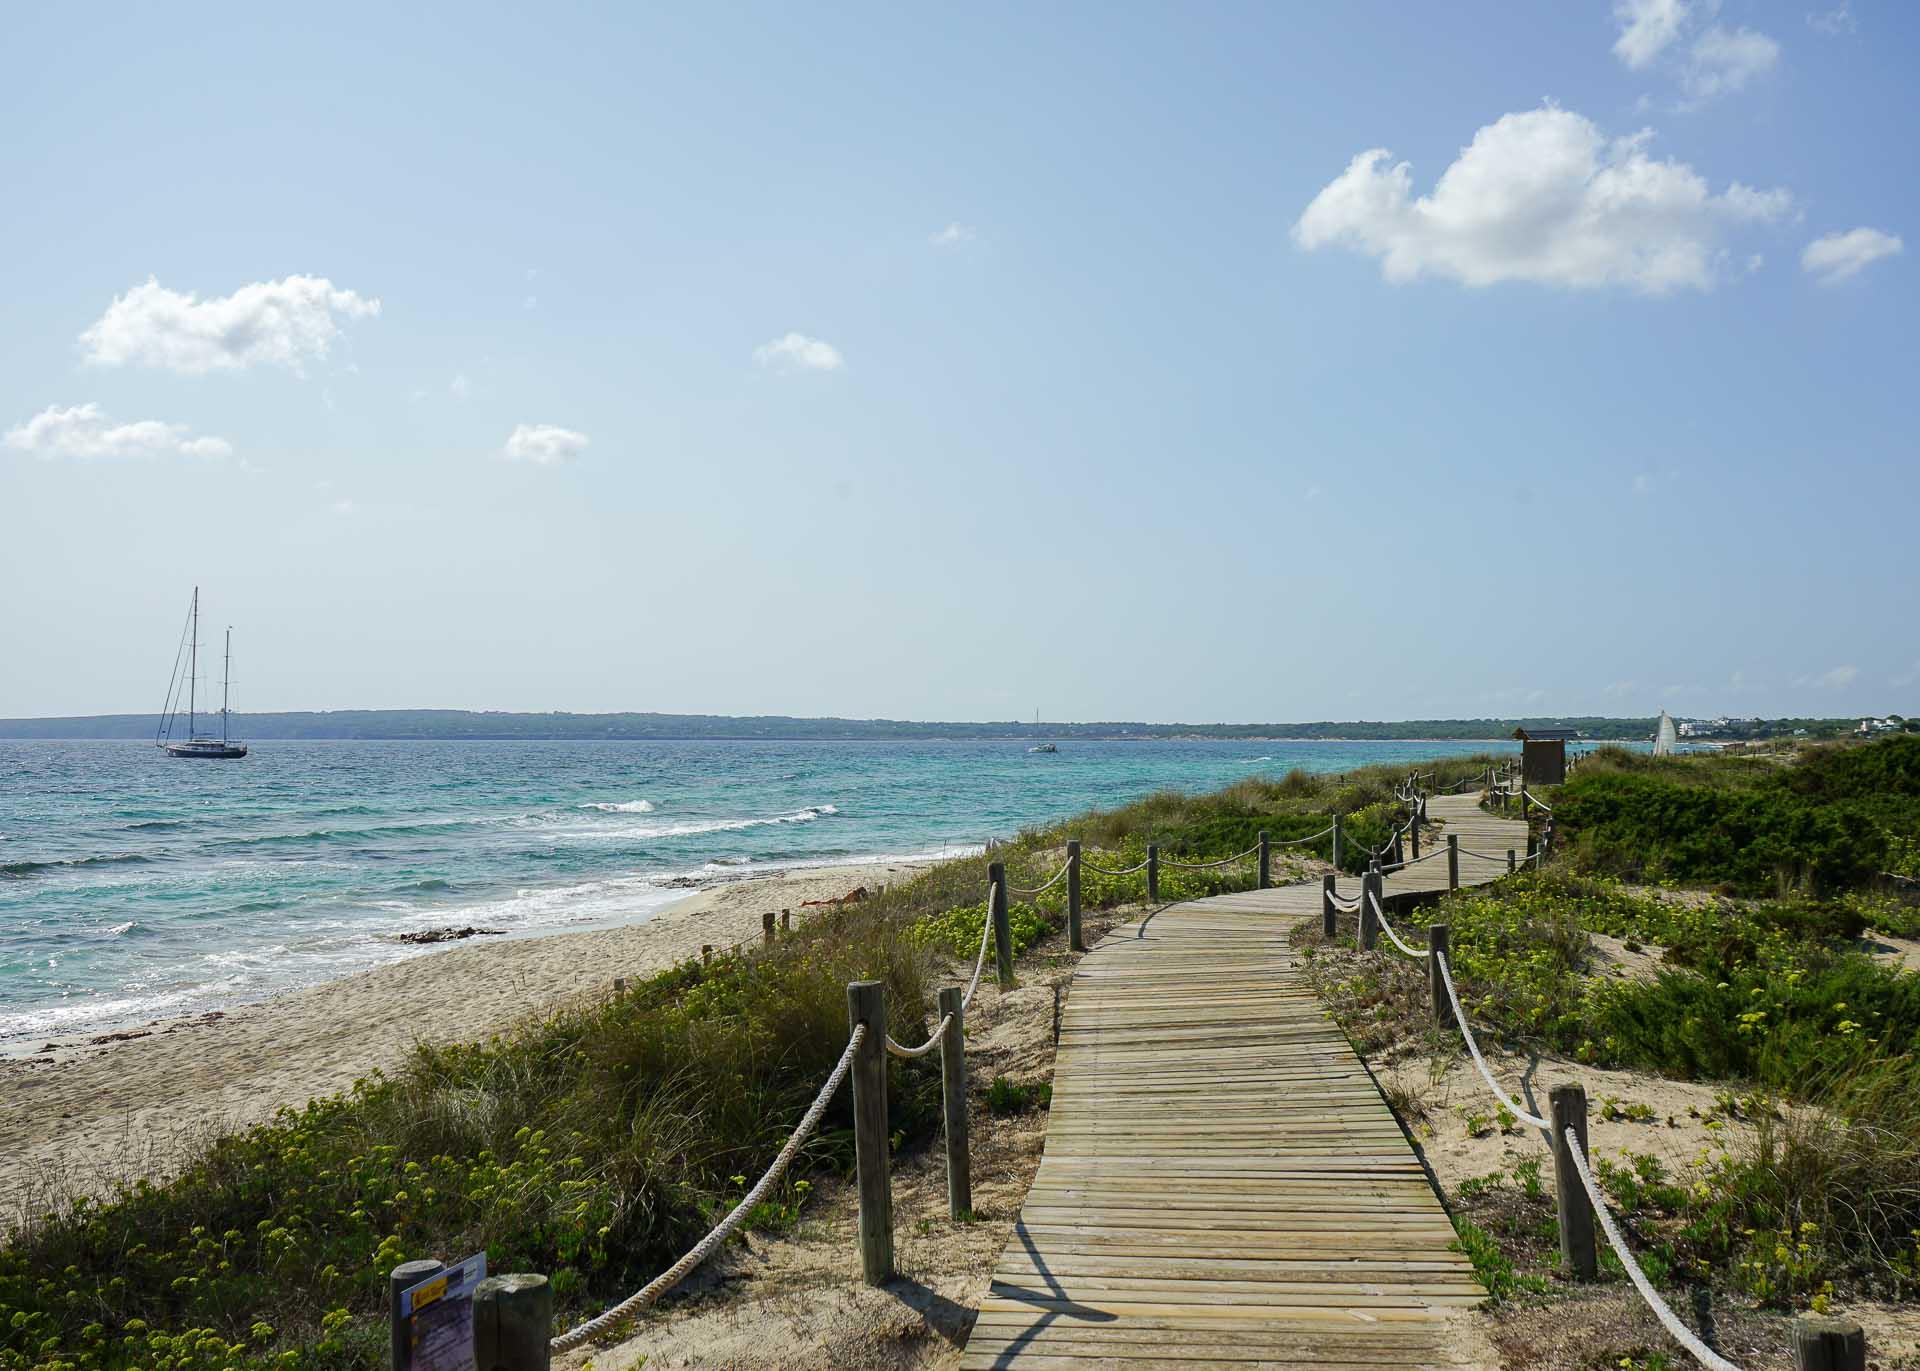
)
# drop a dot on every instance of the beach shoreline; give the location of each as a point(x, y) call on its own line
point(102, 1108)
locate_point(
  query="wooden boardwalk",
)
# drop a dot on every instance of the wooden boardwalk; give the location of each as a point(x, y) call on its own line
point(1223, 1184)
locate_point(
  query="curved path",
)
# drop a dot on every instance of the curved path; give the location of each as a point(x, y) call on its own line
point(1223, 1184)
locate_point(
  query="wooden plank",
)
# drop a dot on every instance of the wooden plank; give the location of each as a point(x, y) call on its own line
point(1223, 1185)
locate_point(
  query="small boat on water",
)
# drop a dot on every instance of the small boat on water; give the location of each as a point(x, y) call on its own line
point(1044, 747)
point(196, 745)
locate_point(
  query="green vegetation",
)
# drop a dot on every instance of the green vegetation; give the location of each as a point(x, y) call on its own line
point(594, 1146)
point(1815, 1039)
point(1828, 823)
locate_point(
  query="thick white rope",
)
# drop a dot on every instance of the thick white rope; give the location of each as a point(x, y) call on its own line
point(723, 1230)
point(1086, 865)
point(1682, 1334)
point(1460, 1018)
point(1295, 842)
point(1052, 881)
point(932, 1042)
point(1343, 901)
point(1527, 795)
point(1387, 928)
point(980, 960)
point(1205, 866)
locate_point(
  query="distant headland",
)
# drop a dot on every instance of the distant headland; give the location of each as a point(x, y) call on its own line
point(430, 724)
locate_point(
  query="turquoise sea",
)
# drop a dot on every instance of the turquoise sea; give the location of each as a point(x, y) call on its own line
point(135, 887)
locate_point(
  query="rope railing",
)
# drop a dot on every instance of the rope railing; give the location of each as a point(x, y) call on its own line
point(1046, 885)
point(1682, 1334)
point(1207, 866)
point(725, 1229)
point(1086, 865)
point(1518, 1110)
point(1387, 928)
point(1532, 799)
point(935, 1038)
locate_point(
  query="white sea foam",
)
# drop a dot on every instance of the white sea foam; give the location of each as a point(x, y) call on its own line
point(625, 807)
point(692, 827)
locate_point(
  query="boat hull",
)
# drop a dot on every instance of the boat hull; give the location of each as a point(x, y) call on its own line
point(206, 752)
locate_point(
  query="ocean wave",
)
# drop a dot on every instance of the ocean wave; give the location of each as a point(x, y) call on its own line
point(151, 825)
point(24, 870)
point(625, 807)
point(698, 826)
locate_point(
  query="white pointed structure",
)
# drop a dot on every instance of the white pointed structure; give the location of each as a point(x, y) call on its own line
point(1667, 740)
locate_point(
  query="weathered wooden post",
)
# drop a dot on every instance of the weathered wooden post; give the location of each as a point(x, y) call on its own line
point(1266, 861)
point(1829, 1345)
point(1567, 1108)
point(619, 985)
point(1002, 931)
point(706, 953)
point(1371, 886)
point(867, 1004)
point(766, 927)
point(1399, 848)
point(1533, 846)
point(1453, 861)
point(403, 1277)
point(1074, 938)
point(953, 1087)
point(786, 920)
point(1413, 832)
point(1329, 912)
point(513, 1323)
point(1153, 873)
point(1438, 947)
point(1336, 840)
point(1513, 863)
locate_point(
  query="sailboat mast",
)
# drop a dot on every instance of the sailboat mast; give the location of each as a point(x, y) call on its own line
point(193, 665)
point(226, 683)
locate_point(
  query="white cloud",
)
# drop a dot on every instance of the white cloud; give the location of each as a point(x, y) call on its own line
point(285, 323)
point(1836, 256)
point(460, 386)
point(1540, 196)
point(1910, 677)
point(343, 507)
point(797, 352)
point(531, 302)
point(544, 444)
point(1647, 28)
point(953, 236)
point(84, 433)
point(1723, 60)
point(1833, 22)
point(1643, 484)
point(1836, 678)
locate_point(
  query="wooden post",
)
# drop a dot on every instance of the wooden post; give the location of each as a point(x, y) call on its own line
point(1329, 912)
point(1075, 940)
point(1399, 849)
point(619, 985)
point(513, 1323)
point(1568, 1109)
point(953, 1082)
point(402, 1277)
point(1829, 1345)
point(1266, 860)
point(1370, 885)
point(1533, 846)
point(1513, 863)
point(1002, 934)
point(1153, 873)
point(706, 953)
point(1453, 861)
point(766, 927)
point(867, 1004)
point(1336, 840)
point(1438, 947)
point(1413, 832)
point(786, 920)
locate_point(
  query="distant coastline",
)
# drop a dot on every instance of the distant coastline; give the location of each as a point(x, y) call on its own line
point(425, 725)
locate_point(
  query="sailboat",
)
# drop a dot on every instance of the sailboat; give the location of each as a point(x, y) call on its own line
point(195, 745)
point(1042, 747)
point(1667, 740)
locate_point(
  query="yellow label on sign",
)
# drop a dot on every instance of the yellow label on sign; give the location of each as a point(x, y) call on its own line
point(425, 1295)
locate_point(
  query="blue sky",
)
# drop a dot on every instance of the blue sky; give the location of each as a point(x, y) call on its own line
point(957, 363)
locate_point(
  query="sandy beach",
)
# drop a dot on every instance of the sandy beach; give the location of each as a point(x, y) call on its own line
point(117, 1106)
